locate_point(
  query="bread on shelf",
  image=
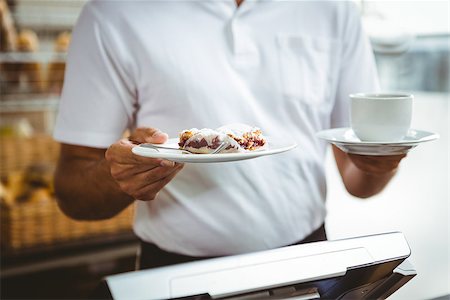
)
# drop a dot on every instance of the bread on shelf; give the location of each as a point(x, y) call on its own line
point(56, 67)
point(8, 34)
point(26, 73)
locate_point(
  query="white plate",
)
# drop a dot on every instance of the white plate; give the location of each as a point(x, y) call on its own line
point(273, 147)
point(346, 140)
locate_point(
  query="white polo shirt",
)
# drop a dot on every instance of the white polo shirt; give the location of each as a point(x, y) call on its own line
point(284, 66)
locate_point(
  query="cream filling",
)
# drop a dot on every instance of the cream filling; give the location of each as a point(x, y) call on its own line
point(221, 134)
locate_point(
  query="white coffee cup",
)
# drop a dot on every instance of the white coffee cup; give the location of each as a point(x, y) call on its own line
point(381, 117)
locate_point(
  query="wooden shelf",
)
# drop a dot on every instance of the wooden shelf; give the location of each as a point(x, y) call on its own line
point(28, 103)
point(32, 57)
point(76, 252)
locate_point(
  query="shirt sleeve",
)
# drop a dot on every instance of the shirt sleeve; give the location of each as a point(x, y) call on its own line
point(98, 96)
point(358, 71)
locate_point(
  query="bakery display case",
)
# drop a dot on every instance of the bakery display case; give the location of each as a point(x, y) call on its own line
point(39, 244)
point(35, 36)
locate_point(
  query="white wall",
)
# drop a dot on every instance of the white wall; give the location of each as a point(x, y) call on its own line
point(416, 202)
point(415, 16)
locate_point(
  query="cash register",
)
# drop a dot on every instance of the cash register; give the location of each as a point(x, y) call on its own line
point(368, 267)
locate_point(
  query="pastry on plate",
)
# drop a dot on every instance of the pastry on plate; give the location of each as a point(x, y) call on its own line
point(240, 138)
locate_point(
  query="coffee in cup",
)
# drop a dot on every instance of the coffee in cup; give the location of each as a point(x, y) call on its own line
point(381, 117)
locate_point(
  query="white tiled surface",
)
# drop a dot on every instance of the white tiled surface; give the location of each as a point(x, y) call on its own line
point(416, 202)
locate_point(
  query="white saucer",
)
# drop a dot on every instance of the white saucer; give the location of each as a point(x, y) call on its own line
point(273, 147)
point(346, 140)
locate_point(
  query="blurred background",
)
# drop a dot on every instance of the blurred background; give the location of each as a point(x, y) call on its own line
point(46, 255)
point(411, 43)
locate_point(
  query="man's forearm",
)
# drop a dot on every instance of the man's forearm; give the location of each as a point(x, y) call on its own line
point(363, 185)
point(365, 176)
point(86, 190)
